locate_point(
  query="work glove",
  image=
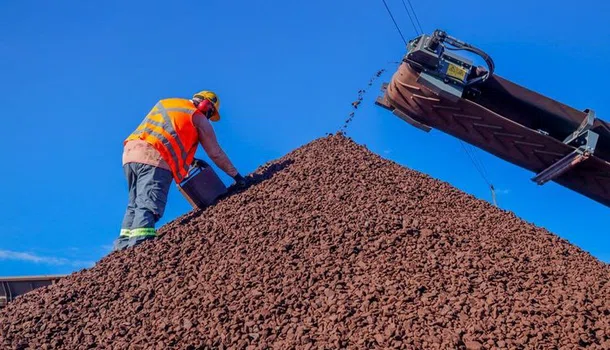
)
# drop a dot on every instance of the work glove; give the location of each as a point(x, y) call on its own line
point(240, 181)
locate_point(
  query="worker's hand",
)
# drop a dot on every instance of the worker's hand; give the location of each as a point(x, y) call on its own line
point(240, 181)
point(200, 163)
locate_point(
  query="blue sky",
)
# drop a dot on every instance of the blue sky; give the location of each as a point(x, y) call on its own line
point(77, 77)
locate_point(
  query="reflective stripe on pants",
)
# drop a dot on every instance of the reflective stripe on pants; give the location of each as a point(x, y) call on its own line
point(143, 232)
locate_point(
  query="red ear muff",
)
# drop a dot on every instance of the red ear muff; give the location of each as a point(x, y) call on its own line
point(206, 108)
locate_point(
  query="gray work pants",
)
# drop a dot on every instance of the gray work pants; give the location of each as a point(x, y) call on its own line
point(148, 188)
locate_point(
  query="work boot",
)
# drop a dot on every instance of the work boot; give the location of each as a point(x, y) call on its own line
point(120, 243)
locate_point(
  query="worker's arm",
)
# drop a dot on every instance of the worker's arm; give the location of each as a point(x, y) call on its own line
point(207, 139)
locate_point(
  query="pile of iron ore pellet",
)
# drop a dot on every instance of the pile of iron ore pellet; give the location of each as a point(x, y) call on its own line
point(332, 247)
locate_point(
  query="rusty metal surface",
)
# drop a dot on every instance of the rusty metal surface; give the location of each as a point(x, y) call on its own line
point(504, 120)
point(536, 111)
point(551, 106)
point(12, 287)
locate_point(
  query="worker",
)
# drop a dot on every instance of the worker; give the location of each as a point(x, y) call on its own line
point(163, 148)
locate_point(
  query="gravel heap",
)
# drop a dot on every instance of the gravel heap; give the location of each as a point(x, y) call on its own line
point(332, 247)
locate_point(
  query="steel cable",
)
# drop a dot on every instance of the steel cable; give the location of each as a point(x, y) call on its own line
point(411, 18)
point(416, 18)
point(394, 20)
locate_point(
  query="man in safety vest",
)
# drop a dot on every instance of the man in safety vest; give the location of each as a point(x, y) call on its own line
point(162, 148)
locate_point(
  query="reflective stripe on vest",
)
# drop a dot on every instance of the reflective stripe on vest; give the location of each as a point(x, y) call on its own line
point(164, 131)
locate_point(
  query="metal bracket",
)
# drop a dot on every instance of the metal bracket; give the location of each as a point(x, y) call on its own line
point(584, 139)
point(587, 141)
point(558, 168)
point(586, 124)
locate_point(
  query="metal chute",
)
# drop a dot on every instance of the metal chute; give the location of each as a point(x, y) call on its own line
point(435, 87)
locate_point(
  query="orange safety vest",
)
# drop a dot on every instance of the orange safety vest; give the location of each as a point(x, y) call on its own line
point(169, 128)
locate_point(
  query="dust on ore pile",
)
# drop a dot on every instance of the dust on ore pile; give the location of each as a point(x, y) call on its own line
point(332, 247)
